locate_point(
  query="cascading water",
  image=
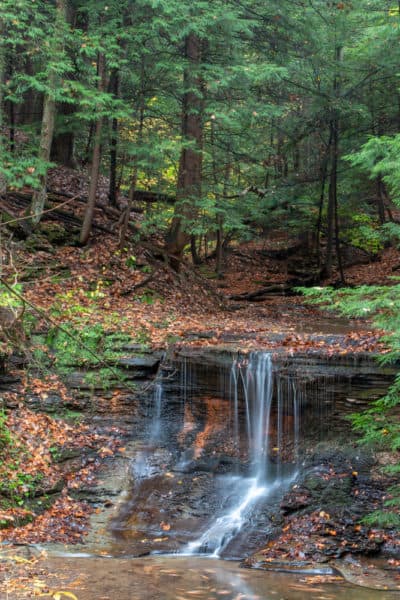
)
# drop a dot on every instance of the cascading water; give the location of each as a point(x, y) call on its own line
point(157, 402)
point(254, 379)
point(141, 467)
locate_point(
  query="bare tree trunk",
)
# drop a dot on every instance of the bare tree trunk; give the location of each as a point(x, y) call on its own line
point(96, 159)
point(125, 224)
point(112, 194)
point(48, 119)
point(220, 249)
point(3, 184)
point(190, 163)
point(86, 156)
point(332, 199)
point(381, 199)
point(62, 148)
point(332, 217)
point(11, 111)
point(324, 175)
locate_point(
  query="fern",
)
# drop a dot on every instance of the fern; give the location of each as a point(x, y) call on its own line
point(379, 426)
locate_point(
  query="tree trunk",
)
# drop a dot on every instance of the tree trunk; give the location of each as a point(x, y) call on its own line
point(190, 163)
point(11, 125)
point(112, 194)
point(62, 148)
point(3, 184)
point(324, 174)
point(219, 251)
point(46, 137)
point(332, 219)
point(381, 199)
point(87, 153)
point(96, 159)
point(48, 119)
point(132, 189)
point(332, 199)
point(193, 248)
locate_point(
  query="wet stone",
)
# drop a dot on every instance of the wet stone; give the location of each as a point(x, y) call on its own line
point(147, 363)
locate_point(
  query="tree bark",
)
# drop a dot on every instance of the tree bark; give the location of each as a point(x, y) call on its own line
point(96, 159)
point(132, 189)
point(48, 119)
point(190, 163)
point(193, 248)
point(332, 191)
point(381, 199)
point(324, 174)
point(62, 148)
point(219, 251)
point(3, 184)
point(333, 241)
point(112, 194)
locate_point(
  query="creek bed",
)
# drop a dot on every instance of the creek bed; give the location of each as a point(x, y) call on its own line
point(183, 578)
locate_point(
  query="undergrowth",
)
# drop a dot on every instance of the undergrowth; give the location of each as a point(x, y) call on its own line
point(379, 425)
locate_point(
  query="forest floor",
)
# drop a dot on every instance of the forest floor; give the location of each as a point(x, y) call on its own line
point(135, 293)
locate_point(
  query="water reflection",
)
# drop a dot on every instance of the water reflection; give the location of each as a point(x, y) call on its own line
point(183, 578)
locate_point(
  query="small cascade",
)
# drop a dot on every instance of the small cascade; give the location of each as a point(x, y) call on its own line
point(157, 405)
point(258, 393)
point(253, 380)
point(141, 466)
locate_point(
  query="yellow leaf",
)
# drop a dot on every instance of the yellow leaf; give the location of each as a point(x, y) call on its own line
point(21, 560)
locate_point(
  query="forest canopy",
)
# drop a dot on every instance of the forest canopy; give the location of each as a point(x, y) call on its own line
point(243, 115)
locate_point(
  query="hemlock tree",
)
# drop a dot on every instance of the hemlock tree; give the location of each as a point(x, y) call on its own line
point(3, 182)
point(56, 67)
point(240, 112)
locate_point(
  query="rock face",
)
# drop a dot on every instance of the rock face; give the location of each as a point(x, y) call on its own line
point(146, 364)
point(322, 510)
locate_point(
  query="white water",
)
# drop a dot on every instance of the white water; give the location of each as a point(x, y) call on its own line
point(257, 382)
point(157, 401)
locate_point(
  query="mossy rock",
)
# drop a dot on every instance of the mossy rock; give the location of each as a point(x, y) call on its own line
point(337, 492)
point(54, 233)
point(19, 228)
point(38, 242)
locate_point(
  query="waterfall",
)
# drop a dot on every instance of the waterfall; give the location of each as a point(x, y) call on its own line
point(258, 392)
point(253, 379)
point(157, 405)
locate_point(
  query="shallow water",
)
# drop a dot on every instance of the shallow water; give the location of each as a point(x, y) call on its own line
point(183, 578)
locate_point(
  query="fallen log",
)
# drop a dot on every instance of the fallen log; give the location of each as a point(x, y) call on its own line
point(281, 289)
point(283, 253)
point(138, 196)
point(22, 200)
